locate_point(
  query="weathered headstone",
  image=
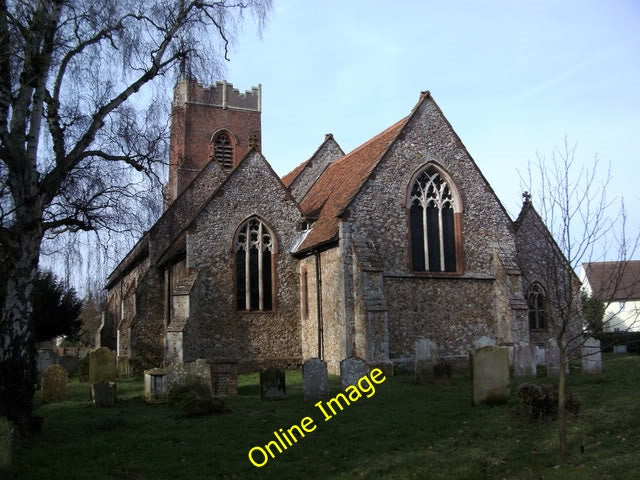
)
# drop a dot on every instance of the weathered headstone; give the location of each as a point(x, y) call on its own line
point(104, 394)
point(352, 369)
point(591, 356)
point(70, 364)
point(102, 366)
point(442, 373)
point(541, 355)
point(426, 357)
point(490, 374)
point(315, 379)
point(224, 377)
point(54, 384)
point(45, 359)
point(524, 360)
point(272, 384)
point(619, 349)
point(122, 366)
point(483, 342)
point(552, 357)
point(6, 441)
point(83, 369)
point(155, 386)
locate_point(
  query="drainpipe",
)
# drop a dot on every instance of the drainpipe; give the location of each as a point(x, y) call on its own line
point(319, 307)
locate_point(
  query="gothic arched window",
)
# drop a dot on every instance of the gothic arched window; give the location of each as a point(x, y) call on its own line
point(223, 150)
point(536, 301)
point(255, 250)
point(432, 203)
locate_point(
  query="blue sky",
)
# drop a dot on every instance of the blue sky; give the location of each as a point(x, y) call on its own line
point(512, 77)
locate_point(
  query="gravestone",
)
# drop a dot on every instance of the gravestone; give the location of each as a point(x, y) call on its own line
point(102, 366)
point(272, 384)
point(103, 394)
point(619, 349)
point(199, 371)
point(155, 386)
point(552, 357)
point(122, 366)
point(6, 440)
point(315, 380)
point(83, 369)
point(524, 360)
point(352, 369)
point(591, 356)
point(483, 341)
point(426, 357)
point(54, 384)
point(541, 355)
point(490, 374)
point(224, 377)
point(70, 364)
point(45, 359)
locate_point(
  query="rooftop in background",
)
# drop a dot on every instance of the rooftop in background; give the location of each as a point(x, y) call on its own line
point(614, 281)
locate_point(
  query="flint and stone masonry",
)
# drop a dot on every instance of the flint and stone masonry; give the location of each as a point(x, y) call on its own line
point(340, 282)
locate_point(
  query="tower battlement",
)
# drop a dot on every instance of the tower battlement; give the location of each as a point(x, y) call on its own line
point(222, 95)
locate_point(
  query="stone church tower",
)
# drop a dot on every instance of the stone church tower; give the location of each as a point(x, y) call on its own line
point(217, 122)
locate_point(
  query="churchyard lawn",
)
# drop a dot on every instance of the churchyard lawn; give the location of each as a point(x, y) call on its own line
point(404, 431)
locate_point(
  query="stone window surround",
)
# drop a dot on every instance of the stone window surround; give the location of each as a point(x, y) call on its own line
point(537, 289)
point(457, 219)
point(274, 274)
point(232, 140)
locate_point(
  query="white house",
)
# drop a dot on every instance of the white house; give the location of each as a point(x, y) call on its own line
point(617, 284)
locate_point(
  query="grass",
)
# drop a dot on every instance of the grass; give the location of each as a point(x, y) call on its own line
point(404, 431)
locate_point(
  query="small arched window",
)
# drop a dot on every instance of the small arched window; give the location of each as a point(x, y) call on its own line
point(536, 302)
point(432, 205)
point(223, 150)
point(255, 250)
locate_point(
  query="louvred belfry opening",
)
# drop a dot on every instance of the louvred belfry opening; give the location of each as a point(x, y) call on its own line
point(223, 151)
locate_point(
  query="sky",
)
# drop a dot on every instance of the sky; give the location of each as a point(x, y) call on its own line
point(514, 79)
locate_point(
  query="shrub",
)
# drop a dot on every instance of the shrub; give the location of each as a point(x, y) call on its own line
point(195, 400)
point(540, 402)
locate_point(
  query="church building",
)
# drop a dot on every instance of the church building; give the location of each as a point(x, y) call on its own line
point(355, 254)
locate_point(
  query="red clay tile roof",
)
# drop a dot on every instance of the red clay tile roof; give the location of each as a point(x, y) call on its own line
point(339, 183)
point(618, 281)
point(290, 177)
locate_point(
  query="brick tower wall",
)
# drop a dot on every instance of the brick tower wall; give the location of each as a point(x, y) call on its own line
point(197, 114)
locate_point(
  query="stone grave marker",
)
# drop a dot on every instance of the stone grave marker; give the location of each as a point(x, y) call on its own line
point(104, 394)
point(70, 364)
point(102, 366)
point(483, 341)
point(315, 379)
point(591, 356)
point(272, 384)
point(6, 440)
point(122, 366)
point(155, 386)
point(426, 358)
point(224, 377)
point(83, 369)
point(54, 384)
point(524, 360)
point(352, 369)
point(490, 374)
point(552, 357)
point(45, 359)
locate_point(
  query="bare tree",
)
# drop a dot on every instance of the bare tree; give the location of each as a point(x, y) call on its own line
point(574, 222)
point(70, 135)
